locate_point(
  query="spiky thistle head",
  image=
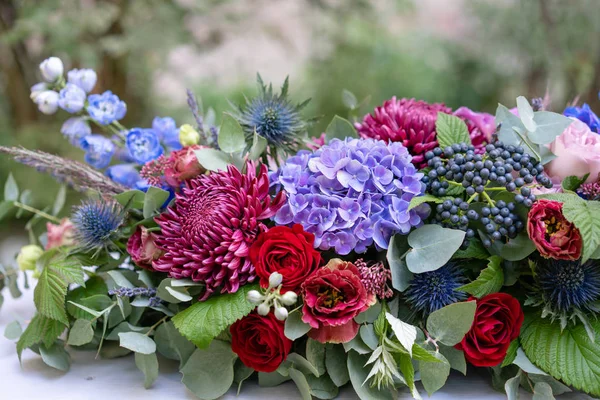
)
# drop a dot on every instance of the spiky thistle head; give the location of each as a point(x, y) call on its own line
point(430, 291)
point(96, 223)
point(567, 289)
point(275, 118)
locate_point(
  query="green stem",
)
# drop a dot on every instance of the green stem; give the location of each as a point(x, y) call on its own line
point(472, 198)
point(36, 211)
point(453, 183)
point(494, 188)
point(163, 319)
point(524, 139)
point(488, 198)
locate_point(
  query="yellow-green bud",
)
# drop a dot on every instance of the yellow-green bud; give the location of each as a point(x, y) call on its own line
point(188, 136)
point(28, 256)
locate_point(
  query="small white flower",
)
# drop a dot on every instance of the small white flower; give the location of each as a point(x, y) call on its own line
point(52, 68)
point(281, 313)
point(47, 102)
point(275, 279)
point(289, 298)
point(38, 89)
point(255, 297)
point(263, 309)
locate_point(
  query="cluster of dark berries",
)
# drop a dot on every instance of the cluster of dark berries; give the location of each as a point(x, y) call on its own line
point(137, 291)
point(458, 170)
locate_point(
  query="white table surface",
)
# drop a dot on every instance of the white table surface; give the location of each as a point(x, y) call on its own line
point(91, 379)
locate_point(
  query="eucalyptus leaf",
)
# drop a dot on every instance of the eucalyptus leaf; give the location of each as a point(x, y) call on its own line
point(137, 342)
point(335, 363)
point(294, 326)
point(549, 126)
point(148, 364)
point(349, 99)
point(526, 113)
point(11, 190)
point(451, 323)
point(434, 374)
point(368, 336)
point(132, 198)
point(13, 330)
point(259, 145)
point(432, 247)
point(213, 160)
point(511, 387)
point(401, 276)
point(209, 373)
point(542, 391)
point(81, 333)
point(339, 128)
point(315, 354)
point(154, 200)
point(301, 383)
point(455, 357)
point(55, 356)
point(322, 387)
point(231, 135)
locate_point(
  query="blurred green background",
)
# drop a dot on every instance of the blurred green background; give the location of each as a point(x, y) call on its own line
point(462, 52)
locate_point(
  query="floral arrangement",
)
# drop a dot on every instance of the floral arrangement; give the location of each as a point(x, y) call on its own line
point(388, 251)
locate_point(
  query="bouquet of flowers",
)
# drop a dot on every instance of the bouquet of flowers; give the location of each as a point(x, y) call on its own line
point(387, 251)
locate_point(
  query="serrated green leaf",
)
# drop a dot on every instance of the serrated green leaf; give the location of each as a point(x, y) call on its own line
point(154, 200)
point(148, 364)
point(231, 135)
point(584, 215)
point(11, 190)
point(451, 130)
point(511, 353)
point(451, 323)
point(213, 160)
point(432, 247)
point(339, 128)
point(489, 281)
point(426, 198)
point(434, 374)
point(55, 356)
point(209, 373)
point(358, 374)
point(80, 333)
point(568, 355)
point(408, 371)
point(203, 321)
point(41, 329)
point(572, 183)
point(335, 363)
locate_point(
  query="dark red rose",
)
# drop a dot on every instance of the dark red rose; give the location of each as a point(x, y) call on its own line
point(333, 296)
point(182, 165)
point(259, 342)
point(288, 251)
point(142, 249)
point(497, 322)
point(552, 234)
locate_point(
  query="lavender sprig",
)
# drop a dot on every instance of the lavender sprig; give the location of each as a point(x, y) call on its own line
point(79, 176)
point(137, 291)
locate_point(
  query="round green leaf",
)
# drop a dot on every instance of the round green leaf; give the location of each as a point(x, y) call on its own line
point(450, 324)
point(432, 247)
point(209, 373)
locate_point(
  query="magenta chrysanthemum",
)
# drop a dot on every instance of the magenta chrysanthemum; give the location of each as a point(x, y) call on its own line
point(409, 121)
point(207, 233)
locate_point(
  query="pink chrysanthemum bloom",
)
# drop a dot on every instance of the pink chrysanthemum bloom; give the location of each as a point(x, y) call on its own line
point(207, 233)
point(409, 121)
point(481, 127)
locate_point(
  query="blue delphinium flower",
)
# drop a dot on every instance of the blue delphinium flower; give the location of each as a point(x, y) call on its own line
point(84, 78)
point(567, 286)
point(98, 150)
point(106, 108)
point(585, 115)
point(75, 129)
point(125, 174)
point(274, 118)
point(167, 132)
point(143, 145)
point(430, 291)
point(351, 194)
point(71, 98)
point(96, 223)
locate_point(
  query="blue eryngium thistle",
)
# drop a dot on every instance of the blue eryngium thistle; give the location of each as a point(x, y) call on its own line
point(430, 291)
point(96, 223)
point(274, 118)
point(568, 286)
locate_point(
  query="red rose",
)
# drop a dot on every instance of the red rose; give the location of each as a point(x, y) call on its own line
point(142, 248)
point(333, 296)
point(552, 234)
point(259, 342)
point(182, 165)
point(288, 251)
point(497, 322)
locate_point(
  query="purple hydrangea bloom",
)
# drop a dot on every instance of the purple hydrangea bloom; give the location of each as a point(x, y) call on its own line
point(351, 194)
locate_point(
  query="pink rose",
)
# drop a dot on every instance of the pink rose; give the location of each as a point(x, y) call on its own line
point(142, 248)
point(577, 152)
point(333, 296)
point(182, 165)
point(60, 235)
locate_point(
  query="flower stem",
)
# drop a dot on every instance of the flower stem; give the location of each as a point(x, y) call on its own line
point(163, 319)
point(36, 211)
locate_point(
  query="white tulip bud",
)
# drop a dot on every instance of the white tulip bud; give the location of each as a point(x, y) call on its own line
point(281, 313)
point(52, 68)
point(255, 297)
point(263, 309)
point(38, 89)
point(47, 102)
point(289, 298)
point(275, 279)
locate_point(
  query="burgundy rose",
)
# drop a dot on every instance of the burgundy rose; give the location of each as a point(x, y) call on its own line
point(183, 165)
point(60, 235)
point(552, 234)
point(260, 342)
point(497, 322)
point(288, 251)
point(142, 248)
point(333, 296)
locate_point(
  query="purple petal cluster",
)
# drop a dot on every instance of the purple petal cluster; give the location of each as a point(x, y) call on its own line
point(351, 194)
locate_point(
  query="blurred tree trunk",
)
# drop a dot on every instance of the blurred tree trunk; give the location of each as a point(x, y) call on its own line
point(14, 64)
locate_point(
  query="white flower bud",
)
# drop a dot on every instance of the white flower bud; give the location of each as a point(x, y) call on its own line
point(289, 298)
point(38, 89)
point(263, 309)
point(255, 297)
point(281, 313)
point(52, 68)
point(47, 102)
point(275, 279)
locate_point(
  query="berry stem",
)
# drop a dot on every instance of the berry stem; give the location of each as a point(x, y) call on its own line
point(488, 198)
